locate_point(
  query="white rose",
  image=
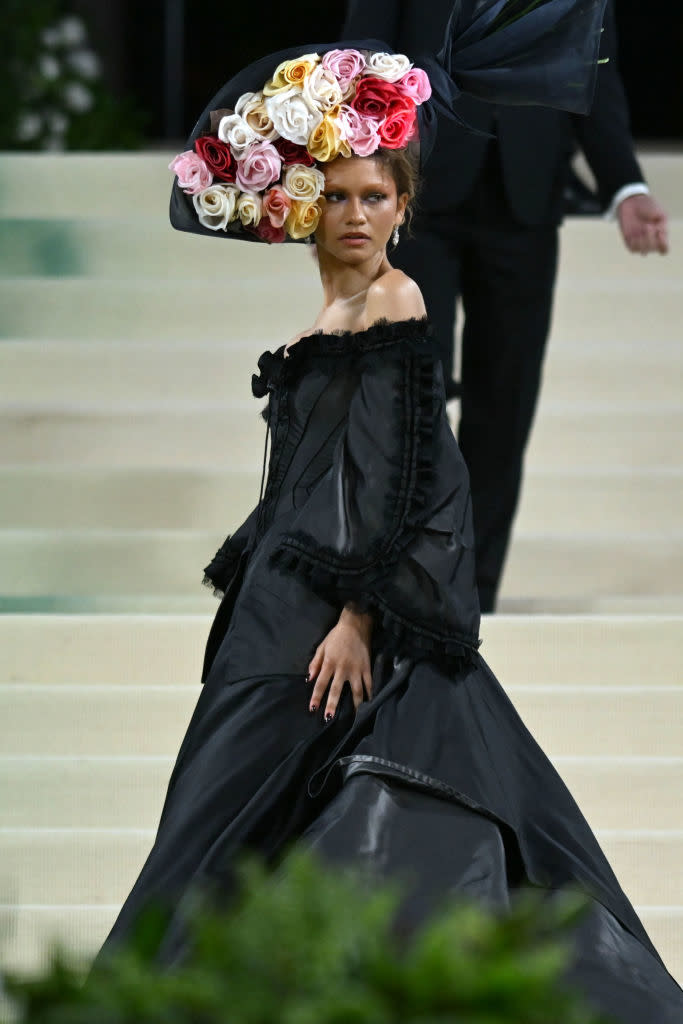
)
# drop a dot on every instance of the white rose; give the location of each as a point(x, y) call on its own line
point(216, 206)
point(249, 208)
point(84, 63)
point(72, 31)
point(77, 97)
point(49, 67)
point(321, 89)
point(389, 66)
point(294, 118)
point(234, 130)
point(301, 182)
point(252, 108)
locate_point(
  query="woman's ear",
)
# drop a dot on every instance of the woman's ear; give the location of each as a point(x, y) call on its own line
point(401, 206)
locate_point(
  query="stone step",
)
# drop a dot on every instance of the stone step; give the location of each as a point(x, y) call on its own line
point(86, 866)
point(74, 791)
point(60, 563)
point(567, 435)
point(89, 497)
point(109, 373)
point(121, 246)
point(82, 183)
point(83, 930)
point(134, 650)
point(141, 309)
point(151, 719)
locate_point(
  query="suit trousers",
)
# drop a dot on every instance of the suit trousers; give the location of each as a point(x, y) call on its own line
point(504, 272)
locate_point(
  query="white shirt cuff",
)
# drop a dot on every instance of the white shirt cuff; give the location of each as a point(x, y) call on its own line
point(638, 188)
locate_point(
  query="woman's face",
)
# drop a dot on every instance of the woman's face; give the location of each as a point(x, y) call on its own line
point(361, 208)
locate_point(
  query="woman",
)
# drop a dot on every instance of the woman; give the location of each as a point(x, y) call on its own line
point(345, 704)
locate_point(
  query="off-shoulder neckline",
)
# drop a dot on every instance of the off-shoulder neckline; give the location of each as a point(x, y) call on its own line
point(386, 329)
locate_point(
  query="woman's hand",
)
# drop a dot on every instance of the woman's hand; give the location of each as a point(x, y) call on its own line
point(343, 656)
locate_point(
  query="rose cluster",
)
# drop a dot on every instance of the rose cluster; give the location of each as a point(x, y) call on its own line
point(258, 171)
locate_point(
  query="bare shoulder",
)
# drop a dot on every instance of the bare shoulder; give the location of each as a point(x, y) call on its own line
point(394, 296)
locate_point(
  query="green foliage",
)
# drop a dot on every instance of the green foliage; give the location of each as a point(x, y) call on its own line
point(307, 947)
point(51, 92)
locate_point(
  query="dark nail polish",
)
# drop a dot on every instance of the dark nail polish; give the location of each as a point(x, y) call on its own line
point(328, 717)
point(313, 708)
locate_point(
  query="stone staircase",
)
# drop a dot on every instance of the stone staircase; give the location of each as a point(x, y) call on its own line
point(130, 445)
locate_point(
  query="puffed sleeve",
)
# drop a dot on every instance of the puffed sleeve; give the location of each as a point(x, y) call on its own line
point(389, 525)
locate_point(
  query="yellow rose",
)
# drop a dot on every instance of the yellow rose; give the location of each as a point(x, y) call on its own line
point(302, 219)
point(291, 72)
point(325, 142)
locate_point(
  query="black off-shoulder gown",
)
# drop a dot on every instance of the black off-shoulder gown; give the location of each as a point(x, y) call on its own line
point(435, 779)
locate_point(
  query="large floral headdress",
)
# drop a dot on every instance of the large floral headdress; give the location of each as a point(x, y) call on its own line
point(257, 171)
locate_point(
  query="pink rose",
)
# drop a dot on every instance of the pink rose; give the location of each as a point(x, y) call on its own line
point(416, 85)
point(258, 167)
point(276, 206)
point(268, 232)
point(362, 133)
point(398, 128)
point(345, 65)
point(193, 173)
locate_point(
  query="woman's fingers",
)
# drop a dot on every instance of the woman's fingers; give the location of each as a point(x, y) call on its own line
point(325, 673)
point(333, 698)
point(316, 662)
point(367, 682)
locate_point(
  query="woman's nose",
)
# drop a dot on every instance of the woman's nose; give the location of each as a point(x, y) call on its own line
point(355, 213)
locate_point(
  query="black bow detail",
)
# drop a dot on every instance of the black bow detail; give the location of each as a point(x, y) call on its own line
point(269, 365)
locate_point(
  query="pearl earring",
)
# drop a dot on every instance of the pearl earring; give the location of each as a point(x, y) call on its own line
point(395, 237)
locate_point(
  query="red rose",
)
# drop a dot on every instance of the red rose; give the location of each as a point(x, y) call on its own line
point(291, 153)
point(375, 97)
point(268, 233)
point(398, 128)
point(217, 156)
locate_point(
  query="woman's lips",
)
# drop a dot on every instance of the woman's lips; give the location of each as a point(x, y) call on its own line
point(354, 239)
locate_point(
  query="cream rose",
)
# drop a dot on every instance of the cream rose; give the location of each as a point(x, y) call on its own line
point(249, 208)
point(216, 206)
point(328, 141)
point(303, 219)
point(293, 117)
point(291, 72)
point(389, 66)
point(321, 90)
point(234, 130)
point(251, 107)
point(303, 183)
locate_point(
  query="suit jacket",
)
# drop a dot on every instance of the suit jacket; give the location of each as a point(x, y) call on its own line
point(535, 143)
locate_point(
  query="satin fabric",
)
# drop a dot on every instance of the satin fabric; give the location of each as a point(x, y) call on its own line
point(435, 780)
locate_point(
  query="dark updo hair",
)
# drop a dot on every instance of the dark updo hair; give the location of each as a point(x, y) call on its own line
point(402, 165)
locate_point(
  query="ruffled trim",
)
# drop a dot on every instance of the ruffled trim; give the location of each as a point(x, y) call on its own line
point(278, 368)
point(223, 566)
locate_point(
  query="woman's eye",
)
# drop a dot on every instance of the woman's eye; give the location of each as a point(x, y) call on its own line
point(376, 197)
point(333, 197)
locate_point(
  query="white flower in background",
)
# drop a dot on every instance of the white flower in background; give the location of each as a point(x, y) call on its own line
point(389, 66)
point(234, 130)
point(49, 67)
point(77, 97)
point(50, 37)
point(72, 31)
point(292, 115)
point(57, 123)
point(216, 206)
point(29, 127)
point(85, 63)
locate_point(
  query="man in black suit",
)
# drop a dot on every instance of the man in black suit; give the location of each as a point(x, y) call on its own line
point(487, 231)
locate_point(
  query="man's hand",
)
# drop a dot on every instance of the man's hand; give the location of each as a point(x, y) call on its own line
point(644, 224)
point(342, 657)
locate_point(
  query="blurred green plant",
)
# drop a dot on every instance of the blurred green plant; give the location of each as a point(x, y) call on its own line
point(304, 946)
point(52, 95)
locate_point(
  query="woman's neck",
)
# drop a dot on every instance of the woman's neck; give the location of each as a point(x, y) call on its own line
point(348, 285)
